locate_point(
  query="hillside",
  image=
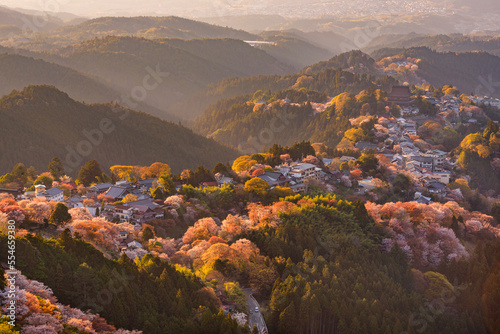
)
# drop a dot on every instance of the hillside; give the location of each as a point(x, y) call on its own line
point(355, 61)
point(21, 71)
point(234, 54)
point(476, 72)
point(252, 123)
point(51, 124)
point(147, 27)
point(13, 18)
point(441, 43)
point(300, 49)
point(185, 67)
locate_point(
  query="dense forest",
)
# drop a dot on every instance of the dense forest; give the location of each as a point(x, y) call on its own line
point(318, 264)
point(471, 72)
point(151, 294)
point(440, 43)
point(41, 122)
point(256, 122)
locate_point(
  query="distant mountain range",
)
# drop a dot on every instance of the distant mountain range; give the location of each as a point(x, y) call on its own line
point(41, 122)
point(442, 43)
point(123, 63)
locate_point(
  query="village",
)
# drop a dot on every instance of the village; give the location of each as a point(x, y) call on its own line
point(140, 212)
point(397, 146)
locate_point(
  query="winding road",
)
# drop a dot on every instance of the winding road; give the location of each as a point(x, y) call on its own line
point(255, 317)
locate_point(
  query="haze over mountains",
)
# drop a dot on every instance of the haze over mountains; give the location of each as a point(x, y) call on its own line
point(41, 121)
point(195, 64)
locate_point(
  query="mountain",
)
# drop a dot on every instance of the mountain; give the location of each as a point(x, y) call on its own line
point(20, 71)
point(238, 56)
point(147, 27)
point(355, 61)
point(184, 67)
point(293, 48)
point(170, 27)
point(22, 21)
point(125, 62)
point(470, 72)
point(441, 43)
point(41, 122)
point(254, 122)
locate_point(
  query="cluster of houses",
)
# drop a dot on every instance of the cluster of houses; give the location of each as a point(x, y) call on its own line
point(294, 175)
point(432, 168)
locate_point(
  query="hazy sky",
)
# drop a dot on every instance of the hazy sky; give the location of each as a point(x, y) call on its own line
point(134, 7)
point(175, 7)
point(200, 8)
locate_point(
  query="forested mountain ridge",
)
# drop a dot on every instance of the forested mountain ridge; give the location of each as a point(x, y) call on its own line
point(471, 72)
point(241, 120)
point(186, 67)
point(440, 43)
point(152, 27)
point(53, 124)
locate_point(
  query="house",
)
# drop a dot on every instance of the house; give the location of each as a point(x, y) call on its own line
point(116, 192)
point(123, 235)
point(142, 214)
point(145, 185)
point(443, 177)
point(134, 244)
point(326, 161)
point(363, 146)
point(274, 178)
point(437, 156)
point(93, 210)
point(302, 171)
point(209, 184)
point(437, 188)
point(100, 188)
point(491, 102)
point(52, 195)
point(298, 187)
point(74, 202)
point(423, 162)
point(221, 179)
point(346, 158)
point(14, 192)
point(122, 212)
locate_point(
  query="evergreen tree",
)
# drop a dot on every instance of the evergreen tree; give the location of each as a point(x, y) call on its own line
point(56, 168)
point(89, 173)
point(60, 215)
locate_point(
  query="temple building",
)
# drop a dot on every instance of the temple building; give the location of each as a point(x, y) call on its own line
point(399, 95)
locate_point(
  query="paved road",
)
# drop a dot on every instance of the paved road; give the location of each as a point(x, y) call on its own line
point(255, 317)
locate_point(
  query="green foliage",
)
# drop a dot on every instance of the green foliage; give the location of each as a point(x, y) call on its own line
point(214, 197)
point(147, 234)
point(60, 215)
point(477, 152)
point(89, 173)
point(257, 187)
point(236, 122)
point(149, 295)
point(56, 168)
point(368, 164)
point(157, 193)
point(45, 180)
point(130, 136)
point(19, 173)
point(167, 184)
